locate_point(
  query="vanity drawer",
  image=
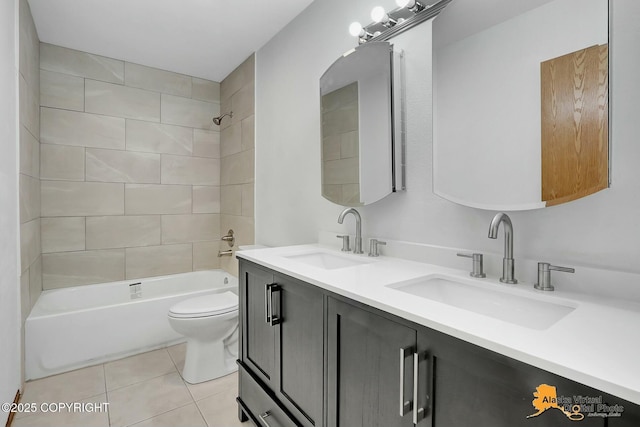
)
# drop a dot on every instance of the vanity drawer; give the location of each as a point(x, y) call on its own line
point(265, 411)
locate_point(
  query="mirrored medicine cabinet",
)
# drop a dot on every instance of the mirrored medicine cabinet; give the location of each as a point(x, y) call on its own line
point(521, 107)
point(361, 125)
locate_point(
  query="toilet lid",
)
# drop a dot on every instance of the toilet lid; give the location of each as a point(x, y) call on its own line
point(207, 305)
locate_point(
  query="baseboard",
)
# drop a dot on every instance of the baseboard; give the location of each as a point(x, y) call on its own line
point(12, 414)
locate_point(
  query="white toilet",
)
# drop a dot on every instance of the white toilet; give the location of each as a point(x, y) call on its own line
point(210, 324)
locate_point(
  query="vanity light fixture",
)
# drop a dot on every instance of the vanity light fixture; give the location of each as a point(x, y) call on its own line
point(388, 24)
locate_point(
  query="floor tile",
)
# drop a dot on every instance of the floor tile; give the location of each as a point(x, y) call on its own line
point(68, 387)
point(186, 416)
point(93, 413)
point(147, 399)
point(226, 384)
point(178, 353)
point(221, 410)
point(140, 367)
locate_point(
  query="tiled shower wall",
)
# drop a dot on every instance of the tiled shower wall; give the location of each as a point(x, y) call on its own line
point(130, 170)
point(30, 254)
point(237, 92)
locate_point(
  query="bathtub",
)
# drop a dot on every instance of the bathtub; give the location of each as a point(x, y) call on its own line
point(80, 326)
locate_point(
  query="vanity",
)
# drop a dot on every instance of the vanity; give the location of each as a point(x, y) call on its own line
point(333, 339)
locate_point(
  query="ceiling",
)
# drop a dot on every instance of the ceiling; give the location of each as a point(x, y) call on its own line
point(201, 38)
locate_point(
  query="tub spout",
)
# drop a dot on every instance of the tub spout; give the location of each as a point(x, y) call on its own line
point(225, 253)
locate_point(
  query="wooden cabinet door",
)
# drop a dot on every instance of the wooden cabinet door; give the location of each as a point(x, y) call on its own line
point(258, 336)
point(363, 368)
point(299, 349)
point(474, 387)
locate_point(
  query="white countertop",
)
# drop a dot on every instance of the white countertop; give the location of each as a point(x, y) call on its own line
point(597, 344)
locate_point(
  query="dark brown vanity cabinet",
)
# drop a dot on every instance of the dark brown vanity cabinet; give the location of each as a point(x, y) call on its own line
point(282, 346)
point(313, 358)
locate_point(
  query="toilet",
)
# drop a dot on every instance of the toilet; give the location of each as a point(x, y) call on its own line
point(210, 324)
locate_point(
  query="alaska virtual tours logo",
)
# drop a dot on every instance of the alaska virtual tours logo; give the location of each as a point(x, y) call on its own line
point(574, 407)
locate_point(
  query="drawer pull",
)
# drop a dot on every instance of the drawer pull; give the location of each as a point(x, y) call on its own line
point(405, 406)
point(263, 416)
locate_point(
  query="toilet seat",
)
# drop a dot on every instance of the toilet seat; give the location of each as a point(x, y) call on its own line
point(205, 306)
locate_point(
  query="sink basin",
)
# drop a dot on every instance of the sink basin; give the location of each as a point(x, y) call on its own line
point(520, 310)
point(326, 260)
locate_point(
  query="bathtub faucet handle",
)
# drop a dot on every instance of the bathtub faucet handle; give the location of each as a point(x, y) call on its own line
point(229, 238)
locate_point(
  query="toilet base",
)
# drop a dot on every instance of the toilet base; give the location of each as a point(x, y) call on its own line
point(206, 361)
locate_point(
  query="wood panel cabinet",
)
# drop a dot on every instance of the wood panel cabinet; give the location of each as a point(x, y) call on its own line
point(324, 360)
point(282, 340)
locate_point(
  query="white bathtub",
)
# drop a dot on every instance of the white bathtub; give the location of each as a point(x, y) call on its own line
point(74, 327)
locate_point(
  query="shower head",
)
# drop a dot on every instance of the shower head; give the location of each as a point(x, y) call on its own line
point(217, 120)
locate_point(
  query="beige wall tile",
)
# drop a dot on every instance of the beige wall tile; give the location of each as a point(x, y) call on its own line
point(29, 243)
point(157, 80)
point(62, 162)
point(61, 91)
point(158, 260)
point(29, 153)
point(242, 103)
point(64, 198)
point(343, 171)
point(25, 299)
point(205, 255)
point(29, 107)
point(238, 168)
point(248, 200)
point(248, 133)
point(188, 112)
point(65, 269)
point(231, 199)
point(29, 46)
point(206, 199)
point(35, 281)
point(121, 101)
point(29, 198)
point(242, 75)
point(206, 143)
point(157, 199)
point(81, 129)
point(190, 228)
point(63, 234)
point(106, 232)
point(76, 63)
point(190, 170)
point(231, 140)
point(122, 166)
point(206, 90)
point(158, 138)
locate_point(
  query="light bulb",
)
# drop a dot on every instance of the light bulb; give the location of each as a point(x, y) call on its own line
point(378, 14)
point(355, 29)
point(406, 3)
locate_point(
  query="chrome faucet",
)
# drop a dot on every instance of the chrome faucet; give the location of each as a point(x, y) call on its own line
point(507, 262)
point(358, 243)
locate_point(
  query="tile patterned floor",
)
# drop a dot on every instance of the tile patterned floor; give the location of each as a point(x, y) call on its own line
point(145, 390)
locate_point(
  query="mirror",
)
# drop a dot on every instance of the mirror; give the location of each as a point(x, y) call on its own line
point(360, 124)
point(520, 102)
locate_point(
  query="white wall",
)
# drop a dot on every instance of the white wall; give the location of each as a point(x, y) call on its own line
point(9, 297)
point(599, 230)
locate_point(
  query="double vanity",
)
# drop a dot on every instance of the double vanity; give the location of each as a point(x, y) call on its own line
point(336, 339)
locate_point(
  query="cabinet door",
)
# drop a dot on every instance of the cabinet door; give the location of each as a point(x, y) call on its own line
point(258, 336)
point(474, 387)
point(363, 372)
point(299, 349)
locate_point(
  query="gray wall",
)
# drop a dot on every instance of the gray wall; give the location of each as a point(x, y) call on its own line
point(9, 220)
point(599, 230)
point(130, 169)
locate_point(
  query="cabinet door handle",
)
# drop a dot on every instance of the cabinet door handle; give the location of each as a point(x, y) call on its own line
point(272, 319)
point(418, 413)
point(405, 406)
point(267, 303)
point(263, 416)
